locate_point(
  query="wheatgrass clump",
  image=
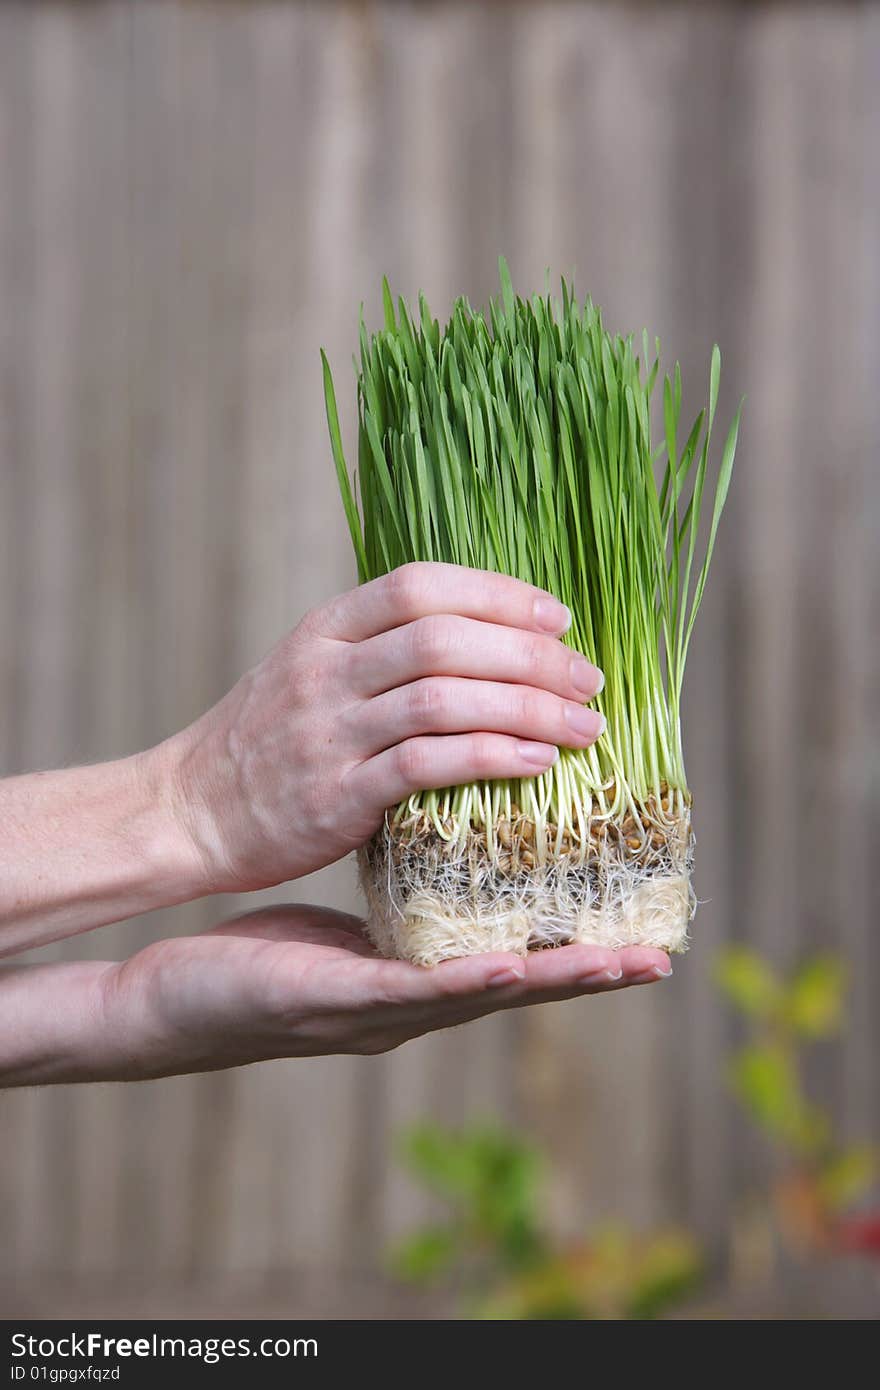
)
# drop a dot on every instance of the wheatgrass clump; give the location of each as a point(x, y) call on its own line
point(521, 442)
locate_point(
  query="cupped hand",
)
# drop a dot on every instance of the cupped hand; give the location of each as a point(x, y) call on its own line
point(431, 676)
point(299, 981)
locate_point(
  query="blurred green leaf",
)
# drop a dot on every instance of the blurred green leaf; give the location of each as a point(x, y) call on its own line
point(616, 1274)
point(435, 1156)
point(748, 981)
point(465, 1163)
point(765, 1079)
point(489, 1176)
point(670, 1268)
point(813, 1001)
point(421, 1257)
point(493, 1238)
point(848, 1176)
point(542, 1292)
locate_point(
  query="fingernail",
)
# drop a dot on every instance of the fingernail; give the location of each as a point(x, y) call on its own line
point(538, 754)
point(551, 615)
point(509, 976)
point(600, 977)
point(586, 723)
point(645, 977)
point(584, 676)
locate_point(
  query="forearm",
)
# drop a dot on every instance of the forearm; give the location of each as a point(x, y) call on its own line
point(86, 846)
point(52, 1023)
point(168, 1009)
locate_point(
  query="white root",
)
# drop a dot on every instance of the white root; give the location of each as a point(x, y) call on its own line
point(429, 901)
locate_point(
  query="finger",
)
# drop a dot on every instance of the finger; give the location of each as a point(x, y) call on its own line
point(495, 975)
point(578, 969)
point(643, 964)
point(461, 991)
point(420, 764)
point(502, 979)
point(446, 645)
point(453, 705)
point(423, 588)
point(556, 974)
point(453, 1014)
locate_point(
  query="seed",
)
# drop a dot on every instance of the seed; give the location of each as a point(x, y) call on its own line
point(634, 842)
point(502, 830)
point(528, 859)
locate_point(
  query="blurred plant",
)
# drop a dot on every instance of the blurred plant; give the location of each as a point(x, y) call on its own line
point(495, 1244)
point(820, 1179)
point(495, 1241)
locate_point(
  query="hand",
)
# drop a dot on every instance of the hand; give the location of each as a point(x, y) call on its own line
point(430, 676)
point(291, 981)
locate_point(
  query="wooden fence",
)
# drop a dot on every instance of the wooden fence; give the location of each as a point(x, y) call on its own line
point(194, 198)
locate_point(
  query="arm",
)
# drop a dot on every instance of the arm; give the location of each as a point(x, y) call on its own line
point(430, 676)
point(284, 982)
point(90, 845)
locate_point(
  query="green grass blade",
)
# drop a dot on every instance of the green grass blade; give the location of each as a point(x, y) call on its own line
point(348, 501)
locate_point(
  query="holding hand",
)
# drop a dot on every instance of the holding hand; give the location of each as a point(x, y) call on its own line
point(431, 676)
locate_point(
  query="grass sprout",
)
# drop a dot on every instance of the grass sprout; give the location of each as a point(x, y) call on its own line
point(523, 440)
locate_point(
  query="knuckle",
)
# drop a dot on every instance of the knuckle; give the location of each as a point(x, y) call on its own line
point(312, 623)
point(303, 662)
point(322, 796)
point(534, 660)
point(427, 702)
point(448, 985)
point(483, 754)
point(410, 586)
point(413, 761)
point(432, 638)
point(306, 681)
point(526, 709)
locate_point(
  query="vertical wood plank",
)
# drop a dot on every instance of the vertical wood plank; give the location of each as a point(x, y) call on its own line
point(17, 1112)
point(49, 517)
point(98, 456)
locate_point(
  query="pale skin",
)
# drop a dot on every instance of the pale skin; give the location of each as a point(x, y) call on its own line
point(431, 676)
